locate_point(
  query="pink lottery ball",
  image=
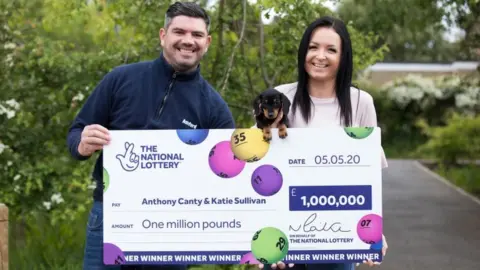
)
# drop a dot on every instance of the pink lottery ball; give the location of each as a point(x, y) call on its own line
point(223, 162)
point(248, 258)
point(370, 228)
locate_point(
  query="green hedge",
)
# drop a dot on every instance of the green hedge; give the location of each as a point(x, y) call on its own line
point(405, 106)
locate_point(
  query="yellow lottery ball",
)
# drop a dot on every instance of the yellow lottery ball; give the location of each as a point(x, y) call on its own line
point(248, 144)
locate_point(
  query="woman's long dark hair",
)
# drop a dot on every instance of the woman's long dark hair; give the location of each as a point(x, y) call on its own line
point(344, 75)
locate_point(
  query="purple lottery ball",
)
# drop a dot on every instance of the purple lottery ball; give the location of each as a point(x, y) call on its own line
point(223, 162)
point(248, 258)
point(112, 254)
point(267, 180)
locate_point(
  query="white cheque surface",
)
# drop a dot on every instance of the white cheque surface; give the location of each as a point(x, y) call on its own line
point(170, 202)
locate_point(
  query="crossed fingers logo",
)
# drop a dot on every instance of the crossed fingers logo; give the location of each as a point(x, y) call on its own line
point(129, 160)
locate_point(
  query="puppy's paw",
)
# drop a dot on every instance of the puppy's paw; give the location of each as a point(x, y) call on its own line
point(282, 132)
point(267, 135)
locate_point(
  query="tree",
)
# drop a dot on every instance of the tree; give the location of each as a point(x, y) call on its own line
point(57, 51)
point(412, 29)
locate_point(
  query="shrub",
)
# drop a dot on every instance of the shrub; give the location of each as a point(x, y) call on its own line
point(402, 103)
point(455, 141)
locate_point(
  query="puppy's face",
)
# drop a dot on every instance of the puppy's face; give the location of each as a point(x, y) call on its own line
point(271, 106)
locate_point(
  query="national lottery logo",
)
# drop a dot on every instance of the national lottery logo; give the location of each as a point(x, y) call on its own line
point(147, 157)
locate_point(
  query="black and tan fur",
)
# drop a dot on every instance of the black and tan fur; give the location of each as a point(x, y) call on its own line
point(267, 106)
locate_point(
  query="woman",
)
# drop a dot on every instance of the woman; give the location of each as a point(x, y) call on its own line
point(324, 96)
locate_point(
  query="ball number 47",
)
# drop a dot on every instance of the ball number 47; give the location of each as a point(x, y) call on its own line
point(239, 137)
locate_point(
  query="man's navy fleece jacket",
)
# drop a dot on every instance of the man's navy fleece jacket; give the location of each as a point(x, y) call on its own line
point(149, 95)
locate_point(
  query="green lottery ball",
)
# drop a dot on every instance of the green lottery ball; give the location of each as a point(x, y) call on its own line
point(359, 132)
point(269, 245)
point(106, 180)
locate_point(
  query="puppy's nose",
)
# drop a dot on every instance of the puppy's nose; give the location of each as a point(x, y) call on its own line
point(270, 114)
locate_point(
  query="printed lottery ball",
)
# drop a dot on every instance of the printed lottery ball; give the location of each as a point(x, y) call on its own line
point(370, 228)
point(359, 132)
point(192, 136)
point(112, 254)
point(106, 180)
point(267, 180)
point(248, 258)
point(223, 162)
point(248, 144)
point(269, 245)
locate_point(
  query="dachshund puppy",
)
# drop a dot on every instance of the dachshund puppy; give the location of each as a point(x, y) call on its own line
point(267, 106)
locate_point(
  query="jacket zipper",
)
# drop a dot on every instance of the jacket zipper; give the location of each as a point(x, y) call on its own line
point(162, 105)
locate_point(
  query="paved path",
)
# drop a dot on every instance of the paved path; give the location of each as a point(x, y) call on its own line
point(428, 224)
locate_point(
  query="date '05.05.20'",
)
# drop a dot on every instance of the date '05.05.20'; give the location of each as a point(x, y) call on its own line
point(329, 160)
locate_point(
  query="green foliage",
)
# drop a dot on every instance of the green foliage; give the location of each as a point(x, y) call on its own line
point(413, 29)
point(37, 244)
point(466, 177)
point(457, 140)
point(55, 52)
point(403, 102)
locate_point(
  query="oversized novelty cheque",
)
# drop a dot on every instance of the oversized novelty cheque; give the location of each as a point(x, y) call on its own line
point(229, 197)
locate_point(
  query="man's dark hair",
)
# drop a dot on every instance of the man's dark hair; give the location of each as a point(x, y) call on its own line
point(190, 9)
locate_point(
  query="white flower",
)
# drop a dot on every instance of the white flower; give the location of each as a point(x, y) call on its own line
point(9, 108)
point(78, 97)
point(13, 103)
point(2, 147)
point(16, 177)
point(9, 46)
point(57, 198)
point(425, 92)
point(47, 205)
point(9, 60)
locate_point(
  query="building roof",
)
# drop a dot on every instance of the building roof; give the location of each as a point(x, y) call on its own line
point(424, 67)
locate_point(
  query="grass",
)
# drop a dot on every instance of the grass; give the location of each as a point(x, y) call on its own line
point(35, 244)
point(467, 177)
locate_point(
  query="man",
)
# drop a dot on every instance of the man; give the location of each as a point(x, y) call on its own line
point(166, 93)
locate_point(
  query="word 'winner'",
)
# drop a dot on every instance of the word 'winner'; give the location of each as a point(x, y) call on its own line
point(152, 159)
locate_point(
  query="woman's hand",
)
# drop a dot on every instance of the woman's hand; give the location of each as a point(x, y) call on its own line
point(280, 265)
point(384, 251)
point(370, 263)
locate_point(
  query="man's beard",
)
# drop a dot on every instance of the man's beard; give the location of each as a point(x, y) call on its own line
point(184, 67)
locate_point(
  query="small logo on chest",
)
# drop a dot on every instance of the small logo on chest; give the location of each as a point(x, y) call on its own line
point(189, 124)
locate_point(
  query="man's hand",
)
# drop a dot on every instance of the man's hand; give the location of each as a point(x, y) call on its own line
point(94, 137)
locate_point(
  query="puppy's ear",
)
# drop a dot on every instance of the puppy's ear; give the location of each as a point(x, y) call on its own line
point(256, 105)
point(285, 104)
